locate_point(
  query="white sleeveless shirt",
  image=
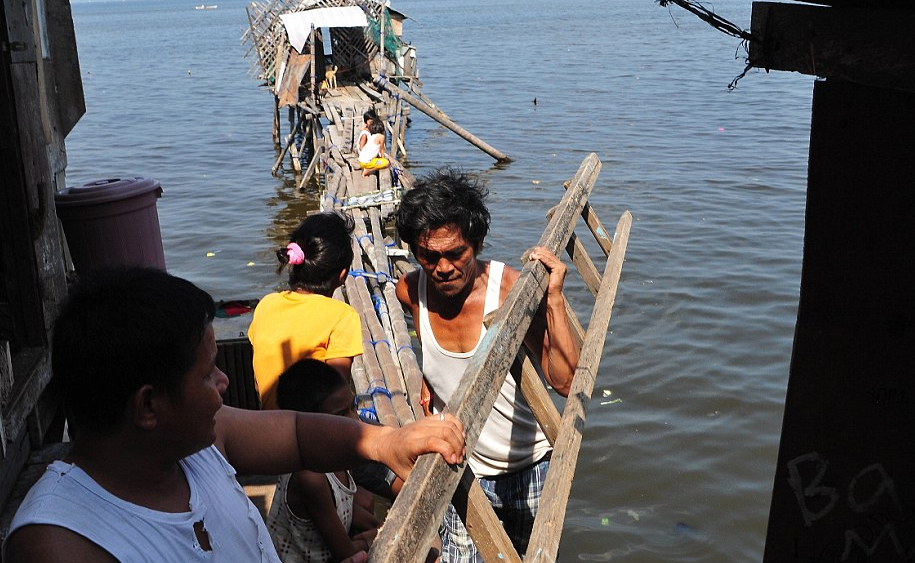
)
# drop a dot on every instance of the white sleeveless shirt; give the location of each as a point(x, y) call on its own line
point(66, 496)
point(511, 439)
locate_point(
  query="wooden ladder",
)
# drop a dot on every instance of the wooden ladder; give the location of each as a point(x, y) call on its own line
point(413, 519)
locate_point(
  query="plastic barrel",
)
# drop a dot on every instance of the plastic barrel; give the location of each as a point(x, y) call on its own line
point(112, 222)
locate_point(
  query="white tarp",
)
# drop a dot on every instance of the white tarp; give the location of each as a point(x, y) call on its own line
point(298, 24)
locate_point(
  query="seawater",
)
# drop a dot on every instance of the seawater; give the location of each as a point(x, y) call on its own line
point(681, 439)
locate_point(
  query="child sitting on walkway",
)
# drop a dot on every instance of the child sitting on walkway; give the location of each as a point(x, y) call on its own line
point(368, 118)
point(306, 321)
point(371, 155)
point(313, 518)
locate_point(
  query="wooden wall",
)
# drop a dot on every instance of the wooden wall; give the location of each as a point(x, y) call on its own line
point(842, 490)
point(41, 99)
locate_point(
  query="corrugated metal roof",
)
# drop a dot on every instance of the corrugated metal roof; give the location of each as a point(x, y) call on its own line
point(298, 24)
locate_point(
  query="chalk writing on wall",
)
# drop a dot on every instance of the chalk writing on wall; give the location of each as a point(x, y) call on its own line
point(884, 526)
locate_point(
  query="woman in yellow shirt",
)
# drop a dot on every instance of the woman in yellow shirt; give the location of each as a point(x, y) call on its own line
point(305, 321)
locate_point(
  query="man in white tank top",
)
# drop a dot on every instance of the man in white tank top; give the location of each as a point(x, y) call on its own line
point(444, 220)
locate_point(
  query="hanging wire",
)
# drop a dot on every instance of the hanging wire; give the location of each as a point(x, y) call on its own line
point(721, 25)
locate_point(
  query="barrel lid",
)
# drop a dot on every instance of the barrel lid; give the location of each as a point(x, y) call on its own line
point(109, 189)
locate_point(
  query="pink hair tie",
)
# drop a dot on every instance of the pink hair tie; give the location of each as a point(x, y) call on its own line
point(294, 253)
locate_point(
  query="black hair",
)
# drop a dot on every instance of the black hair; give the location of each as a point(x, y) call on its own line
point(325, 239)
point(370, 114)
point(444, 197)
point(122, 328)
point(306, 384)
point(376, 127)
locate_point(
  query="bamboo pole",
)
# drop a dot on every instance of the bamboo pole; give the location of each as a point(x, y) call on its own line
point(313, 89)
point(481, 522)
point(290, 140)
point(544, 544)
point(380, 326)
point(357, 292)
point(437, 115)
point(312, 166)
point(432, 483)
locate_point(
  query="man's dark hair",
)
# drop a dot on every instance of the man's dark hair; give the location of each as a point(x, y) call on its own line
point(122, 328)
point(325, 239)
point(444, 197)
point(306, 384)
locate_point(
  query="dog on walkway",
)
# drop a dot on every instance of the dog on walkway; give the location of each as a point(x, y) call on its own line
point(330, 77)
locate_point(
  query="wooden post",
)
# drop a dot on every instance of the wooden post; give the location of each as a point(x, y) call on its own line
point(427, 492)
point(440, 117)
point(313, 90)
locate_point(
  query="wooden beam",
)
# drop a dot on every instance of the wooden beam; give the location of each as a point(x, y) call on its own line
point(872, 46)
point(862, 3)
point(536, 395)
point(481, 522)
point(68, 87)
point(440, 116)
point(426, 493)
point(544, 544)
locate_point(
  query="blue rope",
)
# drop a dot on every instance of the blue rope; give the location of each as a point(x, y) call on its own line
point(382, 341)
point(408, 346)
point(380, 276)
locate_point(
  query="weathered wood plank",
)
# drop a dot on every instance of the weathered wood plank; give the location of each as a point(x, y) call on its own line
point(67, 84)
point(868, 46)
point(427, 492)
point(481, 521)
point(544, 545)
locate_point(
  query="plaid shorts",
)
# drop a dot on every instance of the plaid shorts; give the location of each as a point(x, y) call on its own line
point(514, 497)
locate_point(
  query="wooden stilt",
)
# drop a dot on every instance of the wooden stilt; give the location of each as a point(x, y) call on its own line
point(443, 119)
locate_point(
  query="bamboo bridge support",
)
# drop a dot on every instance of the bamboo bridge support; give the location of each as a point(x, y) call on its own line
point(413, 518)
point(440, 117)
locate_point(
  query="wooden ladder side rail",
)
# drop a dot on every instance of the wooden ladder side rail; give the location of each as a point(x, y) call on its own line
point(544, 545)
point(432, 483)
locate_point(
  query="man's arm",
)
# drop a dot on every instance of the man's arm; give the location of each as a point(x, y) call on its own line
point(274, 442)
point(550, 336)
